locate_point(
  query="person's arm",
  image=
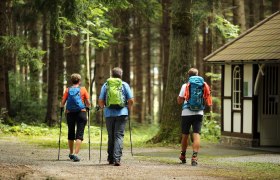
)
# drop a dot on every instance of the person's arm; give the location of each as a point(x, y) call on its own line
point(180, 100)
point(207, 95)
point(128, 96)
point(102, 97)
point(181, 97)
point(101, 103)
point(86, 97)
point(130, 103)
point(64, 98)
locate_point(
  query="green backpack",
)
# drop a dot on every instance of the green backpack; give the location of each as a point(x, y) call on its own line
point(115, 98)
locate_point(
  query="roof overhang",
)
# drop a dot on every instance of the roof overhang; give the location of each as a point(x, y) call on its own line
point(258, 45)
point(270, 61)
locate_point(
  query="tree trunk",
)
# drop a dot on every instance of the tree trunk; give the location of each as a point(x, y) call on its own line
point(148, 79)
point(165, 43)
point(52, 103)
point(251, 14)
point(72, 56)
point(34, 71)
point(3, 93)
point(275, 6)
point(45, 48)
point(124, 46)
point(102, 73)
point(60, 59)
point(261, 9)
point(239, 14)
point(137, 57)
point(181, 59)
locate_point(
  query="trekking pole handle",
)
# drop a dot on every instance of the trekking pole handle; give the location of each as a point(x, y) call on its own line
point(97, 108)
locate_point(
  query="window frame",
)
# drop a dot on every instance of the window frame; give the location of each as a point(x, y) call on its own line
point(236, 88)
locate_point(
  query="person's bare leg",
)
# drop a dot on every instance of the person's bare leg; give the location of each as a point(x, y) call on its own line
point(196, 146)
point(184, 145)
point(78, 146)
point(184, 142)
point(196, 142)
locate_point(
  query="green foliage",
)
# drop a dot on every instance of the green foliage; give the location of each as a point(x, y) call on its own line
point(150, 9)
point(202, 13)
point(24, 107)
point(11, 43)
point(211, 129)
point(115, 4)
point(26, 55)
point(27, 130)
point(47, 136)
point(227, 29)
point(32, 56)
point(88, 18)
point(214, 77)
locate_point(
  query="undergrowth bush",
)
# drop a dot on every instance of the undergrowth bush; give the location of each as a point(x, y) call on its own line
point(211, 129)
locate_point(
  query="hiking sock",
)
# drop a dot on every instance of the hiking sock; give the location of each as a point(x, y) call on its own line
point(194, 155)
point(183, 153)
point(194, 159)
point(183, 157)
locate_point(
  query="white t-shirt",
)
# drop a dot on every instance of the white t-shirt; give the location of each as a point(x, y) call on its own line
point(188, 112)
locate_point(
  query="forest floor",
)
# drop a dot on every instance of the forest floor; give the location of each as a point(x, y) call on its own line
point(21, 160)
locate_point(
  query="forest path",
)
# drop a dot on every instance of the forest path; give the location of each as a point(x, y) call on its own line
point(19, 160)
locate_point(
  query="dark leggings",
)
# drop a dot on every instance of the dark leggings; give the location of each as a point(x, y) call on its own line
point(79, 119)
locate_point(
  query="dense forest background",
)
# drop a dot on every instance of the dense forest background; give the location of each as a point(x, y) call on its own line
point(42, 42)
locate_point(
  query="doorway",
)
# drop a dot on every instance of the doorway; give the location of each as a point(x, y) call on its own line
point(269, 108)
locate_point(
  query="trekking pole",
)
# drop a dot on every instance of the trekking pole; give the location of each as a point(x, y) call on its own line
point(88, 134)
point(101, 127)
point(130, 134)
point(61, 110)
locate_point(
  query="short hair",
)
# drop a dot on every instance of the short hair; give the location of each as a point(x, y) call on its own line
point(117, 72)
point(75, 78)
point(192, 72)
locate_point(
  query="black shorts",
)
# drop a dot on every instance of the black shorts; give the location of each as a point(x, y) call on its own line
point(194, 120)
point(78, 119)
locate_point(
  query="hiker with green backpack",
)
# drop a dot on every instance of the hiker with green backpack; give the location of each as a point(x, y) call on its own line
point(78, 103)
point(194, 95)
point(116, 98)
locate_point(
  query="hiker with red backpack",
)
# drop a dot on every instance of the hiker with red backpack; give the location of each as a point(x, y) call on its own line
point(194, 95)
point(116, 98)
point(78, 103)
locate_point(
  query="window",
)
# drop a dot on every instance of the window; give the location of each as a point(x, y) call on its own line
point(236, 98)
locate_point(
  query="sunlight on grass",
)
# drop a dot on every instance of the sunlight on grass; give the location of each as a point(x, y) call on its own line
point(48, 137)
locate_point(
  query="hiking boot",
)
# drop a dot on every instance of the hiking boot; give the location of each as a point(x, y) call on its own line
point(183, 159)
point(111, 161)
point(194, 161)
point(76, 158)
point(117, 163)
point(71, 156)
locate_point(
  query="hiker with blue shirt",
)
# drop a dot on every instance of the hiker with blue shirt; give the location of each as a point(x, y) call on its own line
point(194, 95)
point(77, 99)
point(116, 98)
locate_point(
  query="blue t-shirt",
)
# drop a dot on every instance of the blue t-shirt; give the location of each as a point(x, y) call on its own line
point(116, 112)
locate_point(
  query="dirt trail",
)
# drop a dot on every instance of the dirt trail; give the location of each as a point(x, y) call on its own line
point(19, 160)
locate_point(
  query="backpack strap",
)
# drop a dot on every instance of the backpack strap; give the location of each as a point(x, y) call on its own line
point(187, 91)
point(207, 94)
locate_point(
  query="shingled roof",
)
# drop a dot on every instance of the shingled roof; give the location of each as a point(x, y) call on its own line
point(260, 43)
